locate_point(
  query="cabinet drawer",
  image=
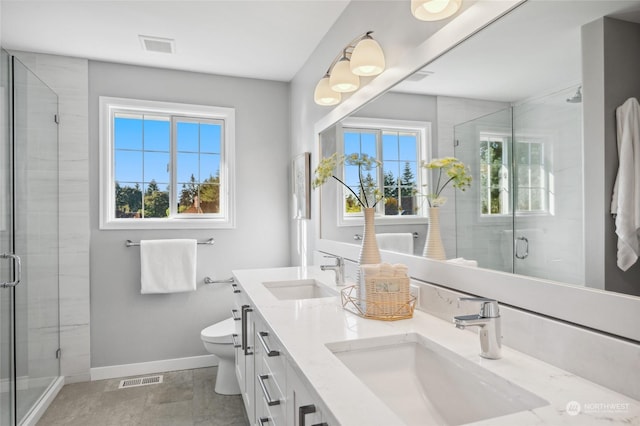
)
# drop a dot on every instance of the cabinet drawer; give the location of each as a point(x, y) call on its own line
point(273, 355)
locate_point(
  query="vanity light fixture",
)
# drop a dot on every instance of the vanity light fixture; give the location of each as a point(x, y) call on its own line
point(434, 10)
point(362, 57)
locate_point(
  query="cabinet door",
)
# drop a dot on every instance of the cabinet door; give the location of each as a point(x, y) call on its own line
point(302, 408)
point(244, 353)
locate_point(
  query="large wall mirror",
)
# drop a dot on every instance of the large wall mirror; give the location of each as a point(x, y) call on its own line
point(516, 103)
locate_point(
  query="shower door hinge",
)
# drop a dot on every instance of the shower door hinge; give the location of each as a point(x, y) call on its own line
point(456, 142)
point(58, 353)
point(56, 118)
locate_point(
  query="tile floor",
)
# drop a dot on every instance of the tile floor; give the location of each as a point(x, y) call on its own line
point(184, 398)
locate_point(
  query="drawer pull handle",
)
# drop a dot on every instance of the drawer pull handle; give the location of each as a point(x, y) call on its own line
point(234, 338)
point(303, 410)
point(270, 352)
point(234, 313)
point(270, 402)
point(245, 339)
point(235, 288)
point(264, 420)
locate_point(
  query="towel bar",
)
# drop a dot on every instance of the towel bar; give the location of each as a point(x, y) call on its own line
point(209, 242)
point(358, 237)
point(208, 280)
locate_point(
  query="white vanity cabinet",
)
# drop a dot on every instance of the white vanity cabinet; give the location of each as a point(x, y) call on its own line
point(243, 314)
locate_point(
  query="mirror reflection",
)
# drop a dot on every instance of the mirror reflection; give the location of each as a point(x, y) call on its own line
point(510, 103)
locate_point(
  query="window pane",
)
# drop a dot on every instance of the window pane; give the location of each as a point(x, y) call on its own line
point(127, 133)
point(351, 203)
point(368, 145)
point(210, 198)
point(351, 142)
point(390, 146)
point(128, 200)
point(523, 175)
point(128, 167)
point(187, 168)
point(351, 176)
point(209, 166)
point(537, 199)
point(523, 199)
point(188, 137)
point(537, 177)
point(408, 148)
point(156, 166)
point(392, 167)
point(536, 153)
point(409, 172)
point(156, 135)
point(156, 201)
point(210, 136)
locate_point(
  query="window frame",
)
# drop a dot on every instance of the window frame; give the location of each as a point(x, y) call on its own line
point(108, 107)
point(423, 128)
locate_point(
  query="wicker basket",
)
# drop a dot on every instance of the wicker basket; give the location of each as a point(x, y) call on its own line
point(386, 308)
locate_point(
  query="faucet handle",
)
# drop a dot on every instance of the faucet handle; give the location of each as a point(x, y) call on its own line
point(489, 308)
point(339, 259)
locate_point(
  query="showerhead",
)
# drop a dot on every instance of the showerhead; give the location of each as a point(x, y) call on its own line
point(577, 98)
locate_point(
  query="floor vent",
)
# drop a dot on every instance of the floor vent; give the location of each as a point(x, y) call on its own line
point(140, 381)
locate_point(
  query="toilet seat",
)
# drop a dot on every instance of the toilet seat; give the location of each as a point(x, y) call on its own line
point(219, 332)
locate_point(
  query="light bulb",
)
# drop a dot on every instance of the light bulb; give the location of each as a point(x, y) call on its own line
point(434, 10)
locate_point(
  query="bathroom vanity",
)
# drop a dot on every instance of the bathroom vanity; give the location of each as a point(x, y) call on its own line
point(301, 359)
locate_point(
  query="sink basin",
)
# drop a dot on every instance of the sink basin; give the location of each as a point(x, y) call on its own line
point(299, 289)
point(424, 383)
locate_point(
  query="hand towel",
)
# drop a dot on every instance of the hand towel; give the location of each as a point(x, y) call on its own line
point(398, 242)
point(167, 266)
point(625, 203)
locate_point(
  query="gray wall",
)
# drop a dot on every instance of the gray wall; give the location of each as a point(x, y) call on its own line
point(612, 65)
point(127, 327)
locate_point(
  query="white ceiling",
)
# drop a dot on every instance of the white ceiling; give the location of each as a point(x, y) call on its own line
point(266, 39)
point(531, 51)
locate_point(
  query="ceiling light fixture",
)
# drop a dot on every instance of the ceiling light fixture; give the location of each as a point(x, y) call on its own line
point(434, 10)
point(362, 57)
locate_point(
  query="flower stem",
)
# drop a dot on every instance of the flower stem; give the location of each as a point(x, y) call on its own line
point(345, 185)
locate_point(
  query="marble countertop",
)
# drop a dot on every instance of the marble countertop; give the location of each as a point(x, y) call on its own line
point(304, 327)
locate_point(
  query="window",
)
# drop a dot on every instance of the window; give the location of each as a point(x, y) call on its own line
point(533, 192)
point(400, 147)
point(165, 165)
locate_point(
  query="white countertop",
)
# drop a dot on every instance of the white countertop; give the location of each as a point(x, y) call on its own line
point(304, 327)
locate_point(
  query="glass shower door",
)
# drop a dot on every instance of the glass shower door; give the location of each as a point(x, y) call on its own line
point(484, 223)
point(549, 241)
point(35, 239)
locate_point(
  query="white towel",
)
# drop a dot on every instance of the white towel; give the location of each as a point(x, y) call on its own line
point(167, 266)
point(398, 242)
point(625, 202)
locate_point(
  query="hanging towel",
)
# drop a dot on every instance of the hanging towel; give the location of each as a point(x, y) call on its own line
point(167, 266)
point(398, 242)
point(462, 261)
point(625, 203)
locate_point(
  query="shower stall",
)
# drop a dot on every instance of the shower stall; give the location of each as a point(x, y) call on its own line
point(29, 299)
point(524, 213)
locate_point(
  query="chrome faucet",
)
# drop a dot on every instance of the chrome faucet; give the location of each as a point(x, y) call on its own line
point(338, 268)
point(490, 327)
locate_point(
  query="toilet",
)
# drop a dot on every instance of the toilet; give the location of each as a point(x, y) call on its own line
point(217, 341)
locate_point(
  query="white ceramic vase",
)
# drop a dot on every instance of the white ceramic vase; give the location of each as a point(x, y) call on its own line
point(433, 248)
point(369, 252)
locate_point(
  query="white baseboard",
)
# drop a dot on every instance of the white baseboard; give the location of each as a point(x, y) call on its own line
point(43, 403)
point(125, 370)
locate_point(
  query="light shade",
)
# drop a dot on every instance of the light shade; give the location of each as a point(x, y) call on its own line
point(434, 10)
point(367, 58)
point(342, 79)
point(323, 94)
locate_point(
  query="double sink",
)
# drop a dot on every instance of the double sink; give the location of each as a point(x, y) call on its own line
point(418, 379)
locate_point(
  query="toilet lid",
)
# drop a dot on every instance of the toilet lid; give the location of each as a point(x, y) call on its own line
point(219, 332)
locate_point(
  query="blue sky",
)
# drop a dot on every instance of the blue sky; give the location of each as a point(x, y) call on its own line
point(198, 150)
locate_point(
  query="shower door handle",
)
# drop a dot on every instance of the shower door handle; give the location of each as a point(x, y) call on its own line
point(526, 248)
point(18, 269)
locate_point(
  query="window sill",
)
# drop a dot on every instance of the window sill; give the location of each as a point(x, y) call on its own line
point(385, 220)
point(122, 224)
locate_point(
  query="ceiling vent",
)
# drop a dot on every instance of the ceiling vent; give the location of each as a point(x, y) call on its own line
point(157, 44)
point(419, 75)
